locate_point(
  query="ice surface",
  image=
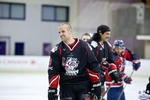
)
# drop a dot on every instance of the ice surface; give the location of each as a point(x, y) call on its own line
point(34, 87)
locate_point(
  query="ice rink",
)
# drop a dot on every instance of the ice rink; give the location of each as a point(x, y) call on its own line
point(34, 87)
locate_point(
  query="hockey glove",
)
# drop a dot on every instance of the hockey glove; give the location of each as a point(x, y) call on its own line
point(127, 80)
point(104, 65)
point(102, 77)
point(96, 89)
point(136, 65)
point(114, 75)
point(52, 94)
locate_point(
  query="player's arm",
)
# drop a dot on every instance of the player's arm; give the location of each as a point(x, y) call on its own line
point(125, 77)
point(128, 55)
point(93, 64)
point(53, 73)
point(110, 57)
point(106, 62)
point(94, 46)
point(112, 69)
point(94, 72)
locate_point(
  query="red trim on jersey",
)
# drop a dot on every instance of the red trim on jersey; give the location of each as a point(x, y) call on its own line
point(53, 82)
point(86, 52)
point(109, 49)
point(60, 51)
point(73, 46)
point(114, 84)
point(93, 76)
point(113, 66)
point(102, 45)
point(98, 47)
point(50, 61)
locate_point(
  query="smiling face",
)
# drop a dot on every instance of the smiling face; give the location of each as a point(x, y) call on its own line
point(105, 36)
point(65, 32)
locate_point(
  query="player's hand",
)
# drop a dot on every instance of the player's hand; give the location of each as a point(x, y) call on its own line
point(127, 80)
point(136, 64)
point(102, 78)
point(96, 89)
point(52, 94)
point(114, 75)
point(105, 65)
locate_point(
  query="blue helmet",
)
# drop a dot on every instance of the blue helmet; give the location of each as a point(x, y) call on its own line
point(118, 43)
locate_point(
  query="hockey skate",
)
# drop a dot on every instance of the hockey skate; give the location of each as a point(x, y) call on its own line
point(143, 96)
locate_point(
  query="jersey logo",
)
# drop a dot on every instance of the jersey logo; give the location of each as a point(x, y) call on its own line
point(94, 44)
point(71, 65)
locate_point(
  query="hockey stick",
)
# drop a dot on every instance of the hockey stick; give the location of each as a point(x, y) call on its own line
point(101, 98)
point(124, 86)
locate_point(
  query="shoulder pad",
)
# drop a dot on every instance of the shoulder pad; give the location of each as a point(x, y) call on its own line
point(94, 44)
point(54, 49)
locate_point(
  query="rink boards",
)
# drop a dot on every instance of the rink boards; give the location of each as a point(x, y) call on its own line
point(39, 64)
point(18, 80)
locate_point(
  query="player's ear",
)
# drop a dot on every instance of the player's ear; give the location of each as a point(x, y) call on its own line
point(70, 31)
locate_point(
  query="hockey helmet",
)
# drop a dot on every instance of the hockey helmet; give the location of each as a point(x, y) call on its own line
point(118, 44)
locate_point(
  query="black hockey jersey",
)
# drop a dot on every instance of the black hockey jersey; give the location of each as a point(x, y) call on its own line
point(102, 52)
point(71, 64)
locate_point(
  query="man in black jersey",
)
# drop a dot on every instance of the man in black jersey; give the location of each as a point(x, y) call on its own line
point(73, 66)
point(102, 50)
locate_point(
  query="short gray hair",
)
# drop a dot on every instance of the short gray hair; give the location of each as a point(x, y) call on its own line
point(68, 25)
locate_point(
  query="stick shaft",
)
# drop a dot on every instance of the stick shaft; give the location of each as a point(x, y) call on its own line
point(124, 87)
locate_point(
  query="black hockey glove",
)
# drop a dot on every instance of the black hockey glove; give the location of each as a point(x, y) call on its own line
point(102, 77)
point(96, 89)
point(114, 75)
point(52, 94)
point(136, 65)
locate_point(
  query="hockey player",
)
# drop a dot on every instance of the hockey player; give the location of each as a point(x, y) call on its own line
point(103, 53)
point(85, 37)
point(148, 87)
point(71, 64)
point(145, 95)
point(120, 54)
